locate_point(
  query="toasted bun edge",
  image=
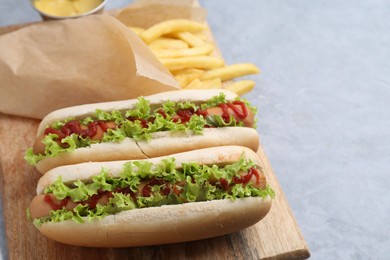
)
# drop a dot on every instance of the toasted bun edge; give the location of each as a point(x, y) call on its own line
point(88, 109)
point(162, 143)
point(161, 225)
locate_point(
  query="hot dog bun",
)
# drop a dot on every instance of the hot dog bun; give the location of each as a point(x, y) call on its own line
point(161, 143)
point(162, 224)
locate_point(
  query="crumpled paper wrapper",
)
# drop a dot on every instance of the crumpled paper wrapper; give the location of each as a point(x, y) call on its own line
point(57, 64)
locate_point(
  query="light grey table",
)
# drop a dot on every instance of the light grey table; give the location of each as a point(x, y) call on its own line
point(324, 110)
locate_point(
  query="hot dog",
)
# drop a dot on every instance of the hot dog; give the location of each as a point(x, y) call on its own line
point(146, 127)
point(181, 197)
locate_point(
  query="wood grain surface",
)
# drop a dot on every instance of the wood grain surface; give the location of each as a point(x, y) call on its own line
point(277, 236)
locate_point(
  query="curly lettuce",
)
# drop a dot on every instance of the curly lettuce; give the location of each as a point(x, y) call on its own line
point(134, 128)
point(198, 187)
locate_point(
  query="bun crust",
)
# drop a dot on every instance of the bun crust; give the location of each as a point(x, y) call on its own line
point(161, 225)
point(162, 143)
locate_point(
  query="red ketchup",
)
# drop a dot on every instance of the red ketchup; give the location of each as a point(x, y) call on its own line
point(102, 125)
point(144, 122)
point(74, 127)
point(162, 112)
point(147, 189)
point(177, 190)
point(49, 200)
point(240, 113)
point(93, 200)
point(224, 183)
point(184, 115)
point(246, 178)
point(201, 112)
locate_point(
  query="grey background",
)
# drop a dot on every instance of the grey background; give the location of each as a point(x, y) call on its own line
point(324, 109)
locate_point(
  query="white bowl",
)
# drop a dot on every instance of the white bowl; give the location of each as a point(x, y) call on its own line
point(46, 16)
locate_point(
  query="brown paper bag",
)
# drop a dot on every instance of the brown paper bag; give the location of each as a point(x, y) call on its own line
point(57, 64)
point(145, 13)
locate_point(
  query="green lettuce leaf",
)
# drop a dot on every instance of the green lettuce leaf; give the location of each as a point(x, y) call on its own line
point(114, 115)
point(217, 121)
point(214, 101)
point(142, 109)
point(32, 158)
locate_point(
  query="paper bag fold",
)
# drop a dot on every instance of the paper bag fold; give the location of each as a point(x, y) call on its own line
point(57, 64)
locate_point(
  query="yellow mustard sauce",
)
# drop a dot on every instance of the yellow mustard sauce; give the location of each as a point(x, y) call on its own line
point(66, 7)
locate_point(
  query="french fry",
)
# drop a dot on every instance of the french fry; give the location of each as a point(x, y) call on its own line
point(170, 26)
point(186, 49)
point(231, 72)
point(208, 84)
point(195, 84)
point(191, 39)
point(196, 72)
point(214, 83)
point(168, 43)
point(137, 30)
point(182, 79)
point(203, 35)
point(199, 62)
point(186, 76)
point(241, 87)
point(196, 51)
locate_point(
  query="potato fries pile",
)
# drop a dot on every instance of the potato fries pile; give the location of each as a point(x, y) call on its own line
point(185, 49)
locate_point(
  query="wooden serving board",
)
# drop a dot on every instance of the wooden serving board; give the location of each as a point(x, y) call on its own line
point(277, 236)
